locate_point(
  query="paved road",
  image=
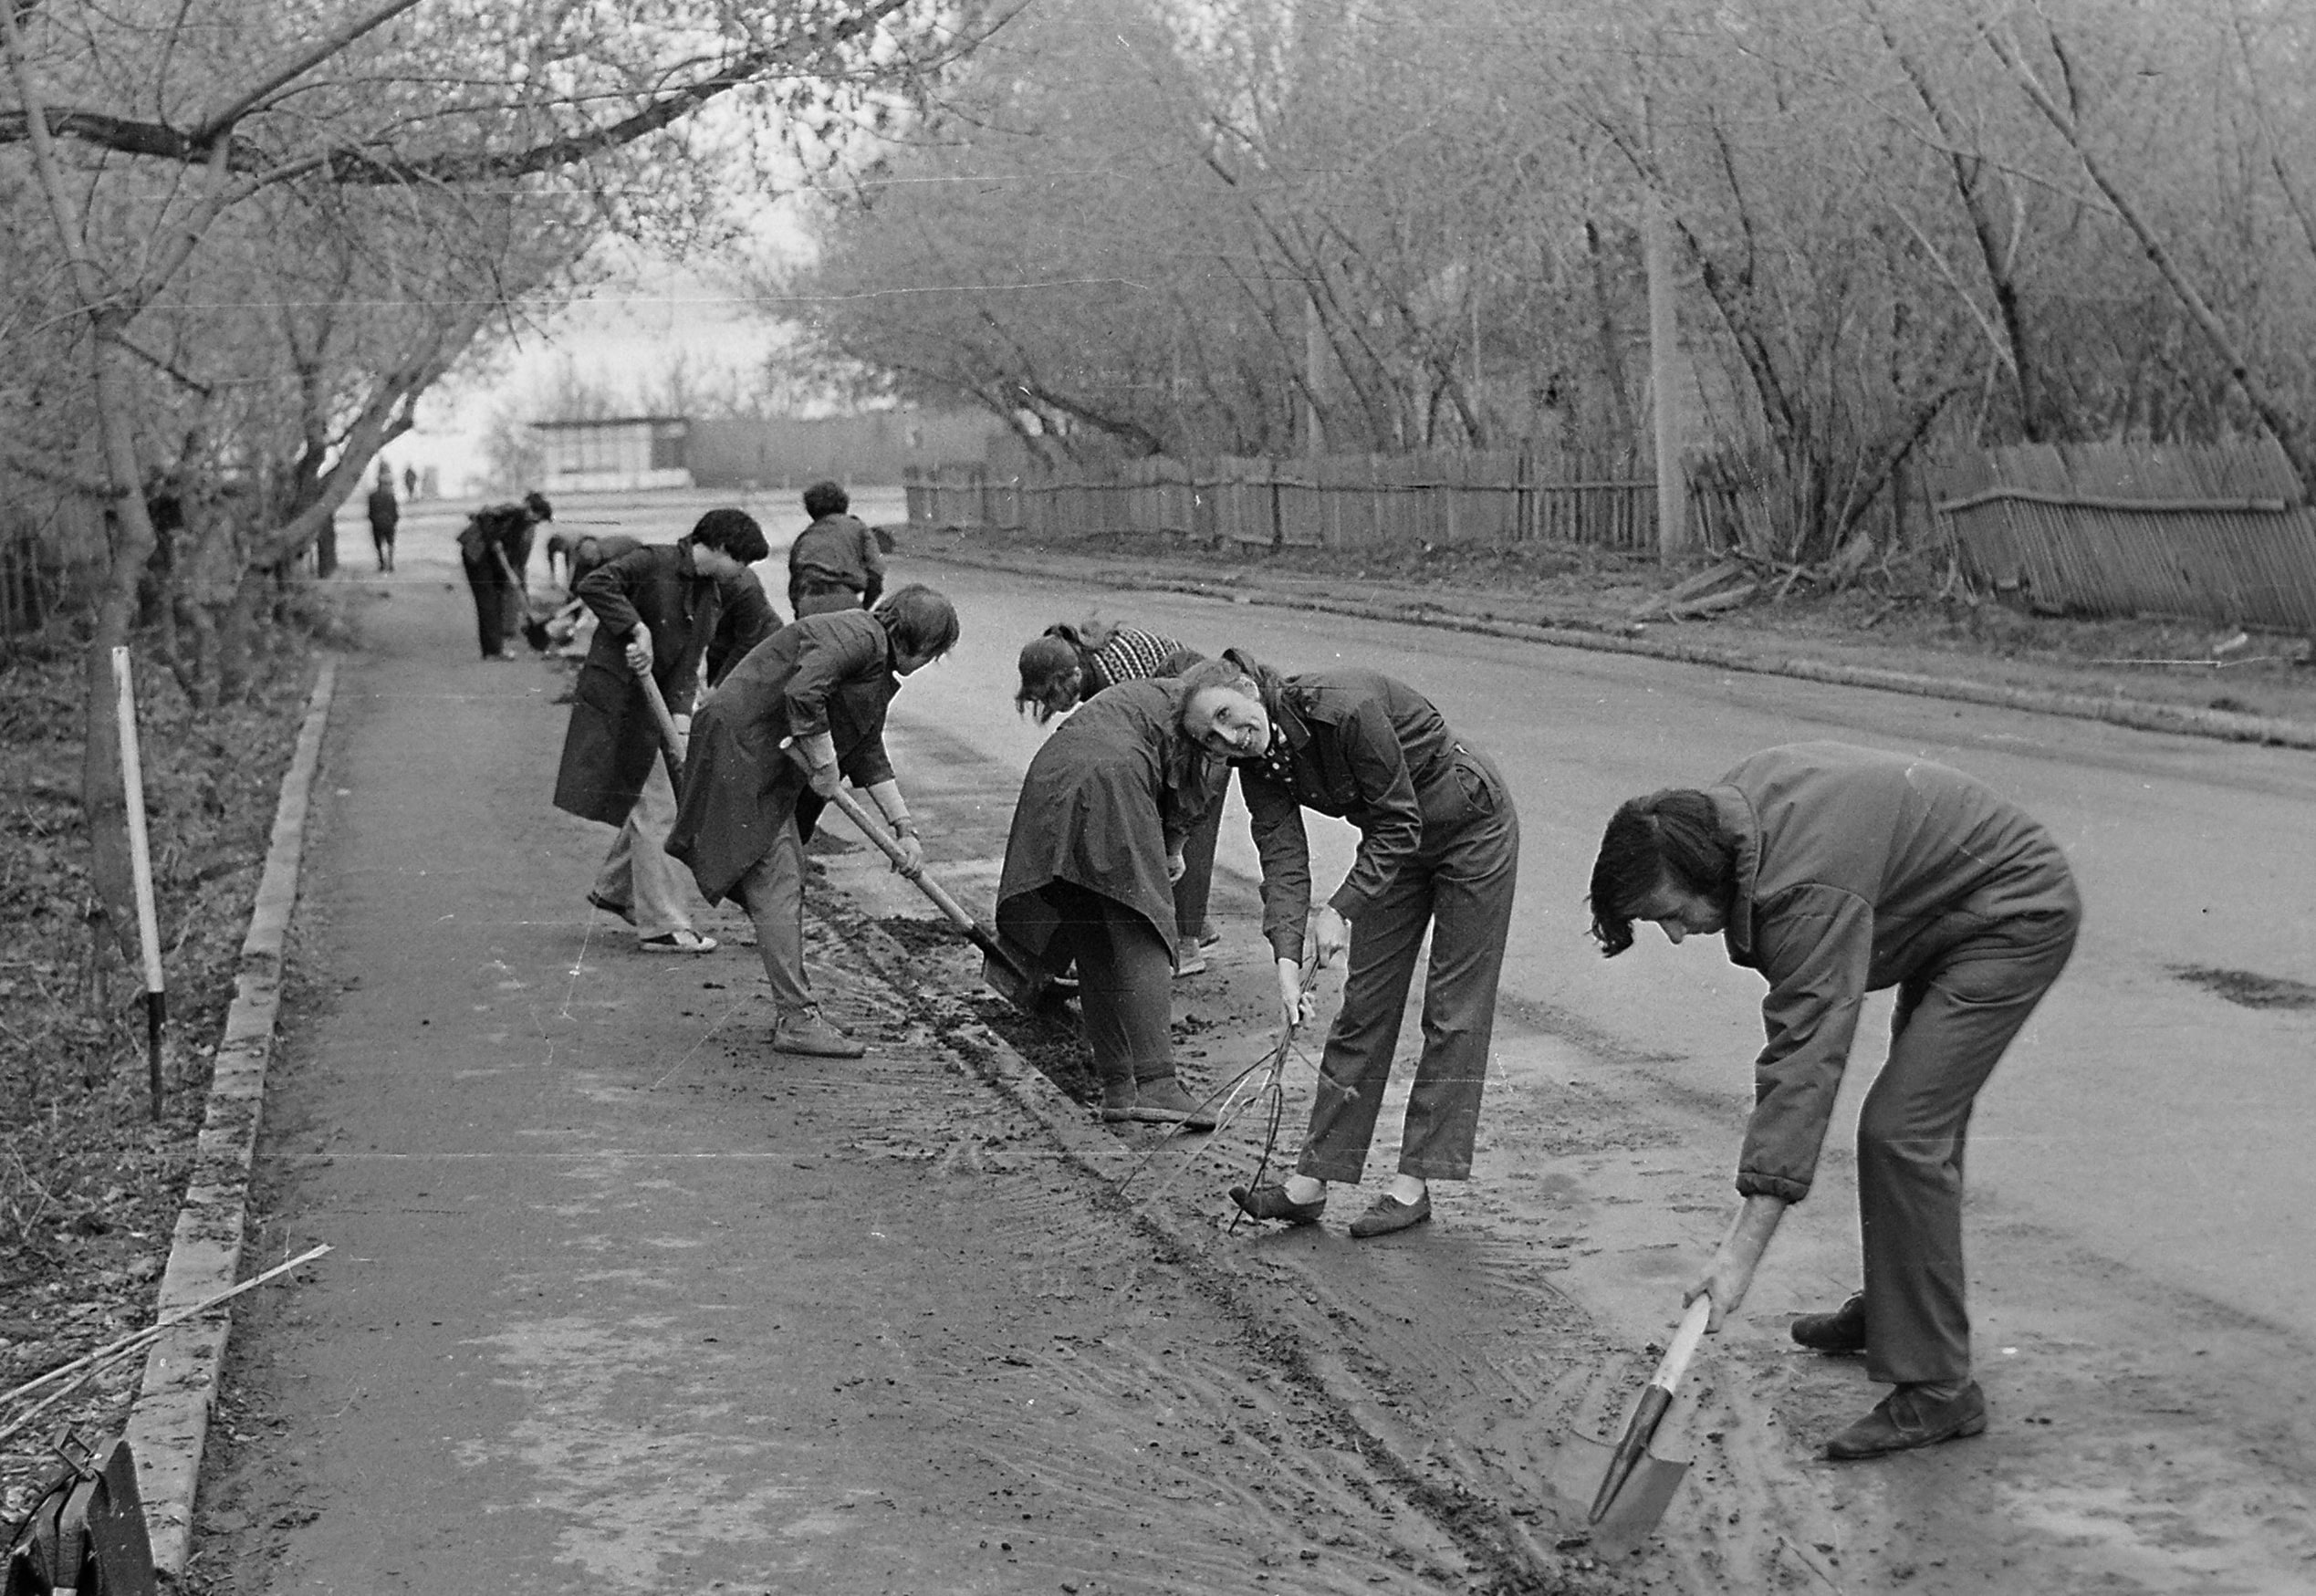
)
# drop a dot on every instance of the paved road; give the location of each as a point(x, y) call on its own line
point(587, 1328)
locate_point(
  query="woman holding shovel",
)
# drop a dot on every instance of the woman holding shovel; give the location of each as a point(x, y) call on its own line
point(1097, 840)
point(1068, 664)
point(659, 608)
point(802, 712)
point(1836, 871)
point(1439, 846)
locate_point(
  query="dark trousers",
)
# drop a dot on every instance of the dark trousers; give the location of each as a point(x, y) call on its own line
point(1954, 1019)
point(492, 591)
point(1458, 886)
point(382, 540)
point(1125, 985)
point(1196, 887)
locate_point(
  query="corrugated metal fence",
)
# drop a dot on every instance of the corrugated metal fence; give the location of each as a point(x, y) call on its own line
point(1356, 501)
point(2221, 533)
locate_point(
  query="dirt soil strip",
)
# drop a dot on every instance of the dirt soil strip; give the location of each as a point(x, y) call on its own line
point(1438, 609)
point(170, 1420)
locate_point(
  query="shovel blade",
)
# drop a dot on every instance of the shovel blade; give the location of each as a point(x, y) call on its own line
point(1633, 1513)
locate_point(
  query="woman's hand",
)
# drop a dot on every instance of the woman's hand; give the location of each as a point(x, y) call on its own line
point(1730, 1275)
point(1331, 935)
point(639, 649)
point(1296, 1006)
point(1176, 866)
point(910, 865)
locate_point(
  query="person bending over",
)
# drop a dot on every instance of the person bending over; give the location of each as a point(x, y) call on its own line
point(803, 711)
point(1068, 664)
point(1438, 851)
point(1096, 838)
point(1835, 872)
point(834, 563)
point(659, 608)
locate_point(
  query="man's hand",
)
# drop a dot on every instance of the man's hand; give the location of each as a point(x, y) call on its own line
point(1730, 1275)
point(1331, 935)
point(639, 649)
point(1296, 1006)
point(1176, 866)
point(910, 865)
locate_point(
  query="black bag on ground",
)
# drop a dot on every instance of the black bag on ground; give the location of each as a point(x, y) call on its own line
point(86, 1534)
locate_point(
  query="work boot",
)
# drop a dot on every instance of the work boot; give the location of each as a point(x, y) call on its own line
point(1842, 1331)
point(803, 1031)
point(1117, 1102)
point(1163, 1101)
point(1911, 1416)
point(1190, 958)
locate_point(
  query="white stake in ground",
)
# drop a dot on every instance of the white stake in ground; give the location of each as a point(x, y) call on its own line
point(133, 782)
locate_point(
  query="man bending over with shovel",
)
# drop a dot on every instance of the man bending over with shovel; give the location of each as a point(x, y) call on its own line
point(769, 745)
point(1835, 872)
point(659, 608)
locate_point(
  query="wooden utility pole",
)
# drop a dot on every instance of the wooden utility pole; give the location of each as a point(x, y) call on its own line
point(1665, 358)
point(1314, 357)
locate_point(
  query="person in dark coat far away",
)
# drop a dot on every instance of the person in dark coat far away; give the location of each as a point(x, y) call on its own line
point(804, 710)
point(1071, 663)
point(493, 548)
point(1097, 839)
point(659, 608)
point(1439, 846)
point(834, 563)
point(385, 514)
point(1836, 871)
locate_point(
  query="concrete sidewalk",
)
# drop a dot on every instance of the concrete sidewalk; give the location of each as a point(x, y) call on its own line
point(622, 1301)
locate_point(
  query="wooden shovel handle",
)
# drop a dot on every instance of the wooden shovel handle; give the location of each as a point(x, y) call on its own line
point(1675, 1362)
point(857, 814)
point(670, 739)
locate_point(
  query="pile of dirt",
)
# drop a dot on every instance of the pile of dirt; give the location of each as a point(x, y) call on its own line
point(89, 1182)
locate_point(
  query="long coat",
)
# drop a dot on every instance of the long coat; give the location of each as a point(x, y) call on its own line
point(829, 674)
point(1109, 795)
point(613, 740)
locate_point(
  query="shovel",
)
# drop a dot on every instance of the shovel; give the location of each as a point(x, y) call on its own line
point(1009, 973)
point(671, 740)
point(1636, 1486)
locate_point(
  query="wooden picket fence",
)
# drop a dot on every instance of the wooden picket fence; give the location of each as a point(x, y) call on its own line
point(2221, 533)
point(1352, 501)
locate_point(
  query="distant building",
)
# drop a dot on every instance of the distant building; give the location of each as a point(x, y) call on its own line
point(872, 449)
point(614, 455)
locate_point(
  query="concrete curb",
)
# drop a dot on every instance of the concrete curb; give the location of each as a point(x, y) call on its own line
point(170, 1421)
point(2139, 713)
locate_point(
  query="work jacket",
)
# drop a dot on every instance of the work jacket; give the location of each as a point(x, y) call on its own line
point(1356, 744)
point(835, 553)
point(830, 674)
point(1856, 870)
point(1107, 797)
point(613, 737)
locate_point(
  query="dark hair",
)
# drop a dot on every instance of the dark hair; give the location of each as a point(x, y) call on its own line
point(1670, 836)
point(826, 498)
point(733, 531)
point(536, 503)
point(1046, 665)
point(919, 620)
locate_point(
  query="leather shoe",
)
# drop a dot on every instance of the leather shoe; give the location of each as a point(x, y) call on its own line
point(1906, 1419)
point(1842, 1331)
point(1270, 1201)
point(1388, 1214)
point(805, 1032)
point(1165, 1102)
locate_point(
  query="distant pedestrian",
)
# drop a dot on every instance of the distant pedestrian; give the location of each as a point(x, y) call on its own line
point(1439, 848)
point(410, 482)
point(1836, 871)
point(805, 710)
point(1069, 665)
point(1098, 836)
point(385, 512)
point(494, 548)
point(834, 563)
point(660, 609)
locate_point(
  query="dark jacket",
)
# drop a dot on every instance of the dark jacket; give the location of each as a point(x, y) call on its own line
point(613, 740)
point(1356, 744)
point(385, 510)
point(1855, 871)
point(823, 674)
point(584, 556)
point(836, 552)
point(1108, 797)
point(505, 527)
